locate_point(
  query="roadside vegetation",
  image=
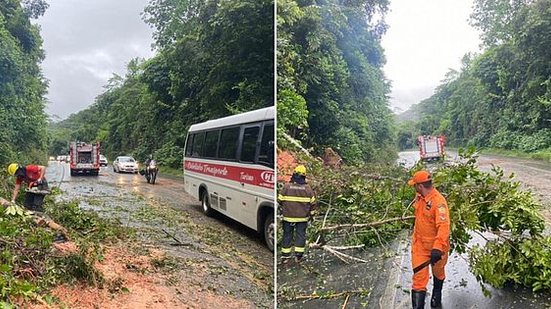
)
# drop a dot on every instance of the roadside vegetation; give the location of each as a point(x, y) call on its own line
point(542, 155)
point(32, 264)
point(22, 86)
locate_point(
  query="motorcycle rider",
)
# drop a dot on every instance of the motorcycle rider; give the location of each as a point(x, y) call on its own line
point(147, 162)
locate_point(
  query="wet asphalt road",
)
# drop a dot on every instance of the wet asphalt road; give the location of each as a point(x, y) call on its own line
point(248, 269)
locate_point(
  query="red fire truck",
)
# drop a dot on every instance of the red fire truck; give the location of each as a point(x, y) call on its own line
point(84, 158)
point(431, 147)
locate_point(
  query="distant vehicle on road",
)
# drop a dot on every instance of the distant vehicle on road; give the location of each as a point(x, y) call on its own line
point(84, 158)
point(103, 160)
point(229, 167)
point(125, 164)
point(431, 147)
point(151, 171)
point(51, 159)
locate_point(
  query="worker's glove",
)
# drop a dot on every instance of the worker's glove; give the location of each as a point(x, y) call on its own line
point(435, 256)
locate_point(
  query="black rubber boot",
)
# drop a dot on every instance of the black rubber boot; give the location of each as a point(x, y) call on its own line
point(436, 299)
point(418, 299)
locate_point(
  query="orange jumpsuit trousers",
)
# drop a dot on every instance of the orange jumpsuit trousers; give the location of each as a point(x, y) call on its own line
point(431, 231)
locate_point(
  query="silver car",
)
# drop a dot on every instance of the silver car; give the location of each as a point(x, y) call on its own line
point(125, 164)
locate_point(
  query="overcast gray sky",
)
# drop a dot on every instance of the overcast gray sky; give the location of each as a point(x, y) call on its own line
point(86, 41)
point(425, 39)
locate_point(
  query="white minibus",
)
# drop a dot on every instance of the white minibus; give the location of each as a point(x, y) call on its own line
point(229, 167)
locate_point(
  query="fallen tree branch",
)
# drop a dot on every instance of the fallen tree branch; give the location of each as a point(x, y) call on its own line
point(347, 247)
point(179, 242)
point(341, 256)
point(326, 296)
point(324, 220)
point(371, 224)
point(345, 302)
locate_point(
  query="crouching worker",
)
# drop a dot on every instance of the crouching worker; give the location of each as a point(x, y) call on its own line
point(431, 240)
point(297, 200)
point(37, 188)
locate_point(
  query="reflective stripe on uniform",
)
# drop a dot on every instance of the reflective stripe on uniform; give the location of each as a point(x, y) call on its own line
point(299, 249)
point(286, 198)
point(295, 220)
point(285, 250)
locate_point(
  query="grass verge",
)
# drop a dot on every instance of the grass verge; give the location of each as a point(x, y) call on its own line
point(542, 155)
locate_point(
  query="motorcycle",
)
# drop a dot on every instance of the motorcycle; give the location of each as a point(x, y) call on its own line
point(151, 172)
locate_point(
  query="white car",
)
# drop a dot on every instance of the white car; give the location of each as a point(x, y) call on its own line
point(125, 164)
point(103, 160)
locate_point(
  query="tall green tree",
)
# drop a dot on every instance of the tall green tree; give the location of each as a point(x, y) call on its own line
point(330, 57)
point(22, 86)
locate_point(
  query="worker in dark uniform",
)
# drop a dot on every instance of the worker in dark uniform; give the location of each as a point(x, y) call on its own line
point(297, 200)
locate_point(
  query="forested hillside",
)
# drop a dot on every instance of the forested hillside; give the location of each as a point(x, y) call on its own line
point(22, 86)
point(331, 87)
point(214, 58)
point(500, 98)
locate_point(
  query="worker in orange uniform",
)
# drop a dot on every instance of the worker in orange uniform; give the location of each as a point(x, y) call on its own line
point(431, 240)
point(297, 200)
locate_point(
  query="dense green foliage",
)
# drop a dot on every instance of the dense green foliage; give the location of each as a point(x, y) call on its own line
point(501, 98)
point(214, 58)
point(331, 88)
point(514, 248)
point(22, 86)
point(482, 205)
point(30, 266)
